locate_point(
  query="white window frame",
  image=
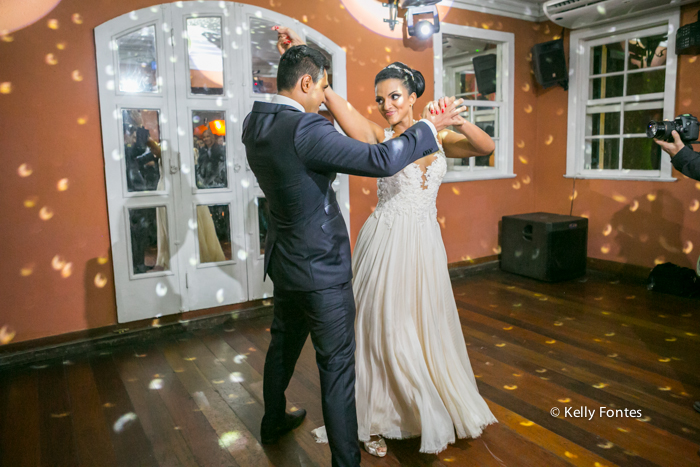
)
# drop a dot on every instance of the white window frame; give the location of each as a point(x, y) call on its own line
point(503, 167)
point(580, 44)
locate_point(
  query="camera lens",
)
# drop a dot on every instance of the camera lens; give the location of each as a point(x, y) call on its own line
point(655, 130)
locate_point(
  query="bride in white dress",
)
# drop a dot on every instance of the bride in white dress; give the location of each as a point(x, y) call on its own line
point(414, 377)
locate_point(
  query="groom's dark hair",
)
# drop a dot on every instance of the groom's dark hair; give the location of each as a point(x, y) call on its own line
point(298, 61)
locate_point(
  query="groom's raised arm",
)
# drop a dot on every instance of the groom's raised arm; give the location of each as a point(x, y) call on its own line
point(323, 149)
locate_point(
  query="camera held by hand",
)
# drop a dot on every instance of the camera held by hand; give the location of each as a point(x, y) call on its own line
point(686, 125)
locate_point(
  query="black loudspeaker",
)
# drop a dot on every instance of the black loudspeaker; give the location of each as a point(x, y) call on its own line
point(485, 70)
point(549, 64)
point(544, 246)
point(688, 39)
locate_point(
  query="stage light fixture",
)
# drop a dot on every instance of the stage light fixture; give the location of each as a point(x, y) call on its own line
point(423, 29)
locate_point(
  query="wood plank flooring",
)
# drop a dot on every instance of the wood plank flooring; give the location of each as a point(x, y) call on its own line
point(195, 399)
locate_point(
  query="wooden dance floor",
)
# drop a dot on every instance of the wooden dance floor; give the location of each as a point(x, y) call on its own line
point(196, 399)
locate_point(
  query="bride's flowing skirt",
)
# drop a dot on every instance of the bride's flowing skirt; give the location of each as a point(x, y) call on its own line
point(413, 373)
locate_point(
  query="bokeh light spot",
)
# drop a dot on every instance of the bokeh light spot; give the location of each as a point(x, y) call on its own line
point(61, 46)
point(67, 270)
point(161, 289)
point(522, 159)
point(27, 270)
point(526, 87)
point(688, 247)
point(651, 197)
point(24, 170)
point(695, 205)
point(521, 144)
point(549, 140)
point(100, 280)
point(634, 206)
point(605, 249)
point(62, 184)
point(30, 202)
point(76, 75)
point(123, 421)
point(45, 213)
point(82, 120)
point(608, 230)
point(77, 18)
point(6, 334)
point(528, 109)
point(51, 59)
point(52, 24)
point(5, 87)
point(619, 198)
point(526, 180)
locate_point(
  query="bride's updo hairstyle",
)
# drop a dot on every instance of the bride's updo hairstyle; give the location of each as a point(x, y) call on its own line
point(412, 79)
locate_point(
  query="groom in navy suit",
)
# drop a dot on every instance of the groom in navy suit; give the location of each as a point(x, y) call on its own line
point(295, 155)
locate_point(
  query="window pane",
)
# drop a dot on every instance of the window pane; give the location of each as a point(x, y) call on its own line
point(206, 57)
point(209, 149)
point(647, 52)
point(141, 131)
point(137, 61)
point(214, 233)
point(646, 82)
point(640, 154)
point(150, 251)
point(603, 154)
point(486, 118)
point(608, 58)
point(263, 217)
point(603, 124)
point(636, 121)
point(610, 86)
point(266, 57)
point(329, 59)
point(465, 82)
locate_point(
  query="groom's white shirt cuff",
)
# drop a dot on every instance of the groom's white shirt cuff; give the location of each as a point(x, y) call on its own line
point(284, 100)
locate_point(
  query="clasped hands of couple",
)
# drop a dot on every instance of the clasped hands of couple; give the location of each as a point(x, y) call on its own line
point(442, 113)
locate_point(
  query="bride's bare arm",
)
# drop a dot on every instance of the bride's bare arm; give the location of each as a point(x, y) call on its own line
point(469, 142)
point(351, 121)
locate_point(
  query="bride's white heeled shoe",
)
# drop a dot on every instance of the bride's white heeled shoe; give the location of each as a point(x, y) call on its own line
point(376, 448)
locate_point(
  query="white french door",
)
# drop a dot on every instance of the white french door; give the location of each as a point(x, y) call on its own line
point(187, 217)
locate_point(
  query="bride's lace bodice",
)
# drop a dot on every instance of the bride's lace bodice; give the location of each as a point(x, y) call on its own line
point(409, 192)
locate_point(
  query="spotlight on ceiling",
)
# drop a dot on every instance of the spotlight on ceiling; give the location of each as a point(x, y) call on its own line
point(423, 29)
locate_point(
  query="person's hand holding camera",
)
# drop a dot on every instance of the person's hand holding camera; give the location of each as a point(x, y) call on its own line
point(672, 148)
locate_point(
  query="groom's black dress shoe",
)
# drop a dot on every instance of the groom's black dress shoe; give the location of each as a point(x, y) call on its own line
point(291, 421)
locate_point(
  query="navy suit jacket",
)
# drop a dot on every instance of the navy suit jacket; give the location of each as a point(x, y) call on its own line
point(295, 157)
